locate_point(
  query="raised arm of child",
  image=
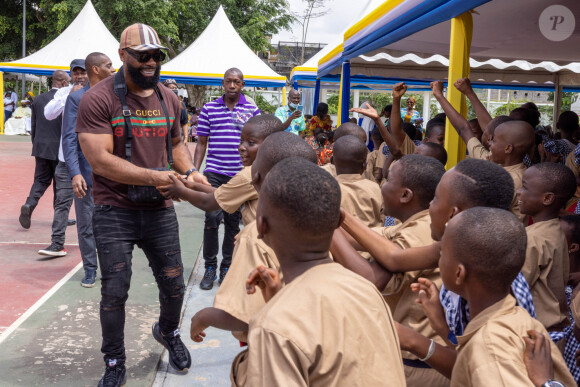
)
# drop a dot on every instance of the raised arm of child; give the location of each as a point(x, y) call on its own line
point(457, 120)
point(201, 197)
point(483, 116)
point(343, 253)
point(391, 142)
point(395, 121)
point(389, 254)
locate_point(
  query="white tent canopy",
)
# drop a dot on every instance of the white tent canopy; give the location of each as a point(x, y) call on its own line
point(84, 35)
point(217, 49)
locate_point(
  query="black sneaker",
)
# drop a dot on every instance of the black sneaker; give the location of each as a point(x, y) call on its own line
point(179, 357)
point(89, 280)
point(24, 219)
point(54, 250)
point(223, 272)
point(115, 375)
point(208, 278)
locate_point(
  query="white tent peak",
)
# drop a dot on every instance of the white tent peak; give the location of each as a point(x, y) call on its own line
point(218, 48)
point(87, 33)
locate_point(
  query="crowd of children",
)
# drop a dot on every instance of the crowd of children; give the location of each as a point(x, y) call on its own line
point(382, 268)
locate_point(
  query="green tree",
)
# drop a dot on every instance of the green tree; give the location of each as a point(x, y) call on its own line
point(178, 22)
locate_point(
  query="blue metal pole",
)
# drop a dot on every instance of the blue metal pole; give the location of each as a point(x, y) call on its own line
point(345, 92)
point(316, 96)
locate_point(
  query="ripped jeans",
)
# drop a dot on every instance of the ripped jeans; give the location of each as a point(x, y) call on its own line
point(156, 232)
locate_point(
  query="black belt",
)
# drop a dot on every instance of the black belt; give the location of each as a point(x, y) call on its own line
point(415, 363)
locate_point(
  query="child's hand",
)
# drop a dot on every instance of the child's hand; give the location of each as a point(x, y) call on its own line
point(437, 88)
point(370, 112)
point(266, 279)
point(538, 358)
point(197, 329)
point(463, 85)
point(399, 90)
point(172, 191)
point(197, 177)
point(429, 300)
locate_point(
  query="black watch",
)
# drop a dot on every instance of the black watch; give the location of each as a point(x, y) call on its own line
point(189, 172)
point(552, 383)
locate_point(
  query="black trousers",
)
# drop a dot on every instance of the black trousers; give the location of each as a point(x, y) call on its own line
point(156, 232)
point(43, 178)
point(212, 222)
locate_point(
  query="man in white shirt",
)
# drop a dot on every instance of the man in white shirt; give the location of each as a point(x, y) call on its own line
point(10, 101)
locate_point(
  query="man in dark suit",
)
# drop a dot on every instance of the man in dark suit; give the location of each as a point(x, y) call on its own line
point(98, 67)
point(45, 136)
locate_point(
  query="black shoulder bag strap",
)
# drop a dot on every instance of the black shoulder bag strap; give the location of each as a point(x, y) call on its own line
point(120, 89)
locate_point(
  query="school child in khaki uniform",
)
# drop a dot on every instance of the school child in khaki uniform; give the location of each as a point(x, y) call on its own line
point(233, 308)
point(482, 251)
point(376, 158)
point(360, 197)
point(327, 326)
point(509, 145)
point(238, 191)
point(346, 129)
point(546, 189)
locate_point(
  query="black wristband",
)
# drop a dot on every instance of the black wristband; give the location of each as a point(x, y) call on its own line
point(189, 172)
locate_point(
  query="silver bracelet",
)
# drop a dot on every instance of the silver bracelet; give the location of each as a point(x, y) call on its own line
point(430, 352)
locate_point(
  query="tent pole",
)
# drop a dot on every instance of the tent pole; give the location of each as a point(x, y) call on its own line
point(344, 97)
point(2, 111)
point(557, 100)
point(23, 45)
point(426, 106)
point(356, 101)
point(284, 96)
point(459, 47)
point(316, 96)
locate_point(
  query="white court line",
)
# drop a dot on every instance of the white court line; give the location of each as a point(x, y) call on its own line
point(39, 303)
point(32, 243)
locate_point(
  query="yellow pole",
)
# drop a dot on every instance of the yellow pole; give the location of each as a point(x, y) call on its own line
point(2, 111)
point(339, 113)
point(283, 96)
point(459, 47)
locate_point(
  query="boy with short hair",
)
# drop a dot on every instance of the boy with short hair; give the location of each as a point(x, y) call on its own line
point(239, 190)
point(346, 129)
point(360, 197)
point(434, 150)
point(326, 326)
point(509, 145)
point(546, 188)
point(482, 252)
point(232, 307)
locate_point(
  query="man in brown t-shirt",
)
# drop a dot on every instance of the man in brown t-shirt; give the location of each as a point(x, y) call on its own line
point(120, 220)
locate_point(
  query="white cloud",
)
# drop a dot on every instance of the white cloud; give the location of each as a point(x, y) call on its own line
point(327, 28)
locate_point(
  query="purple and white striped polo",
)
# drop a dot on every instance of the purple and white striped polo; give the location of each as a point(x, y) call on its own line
point(224, 128)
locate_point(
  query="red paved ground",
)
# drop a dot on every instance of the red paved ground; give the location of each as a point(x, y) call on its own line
point(26, 276)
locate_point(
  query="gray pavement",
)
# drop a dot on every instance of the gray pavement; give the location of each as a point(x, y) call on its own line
point(211, 360)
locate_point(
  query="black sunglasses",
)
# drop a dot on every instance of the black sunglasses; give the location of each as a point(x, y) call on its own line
point(144, 57)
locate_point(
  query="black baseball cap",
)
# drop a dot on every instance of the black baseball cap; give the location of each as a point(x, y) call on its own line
point(77, 63)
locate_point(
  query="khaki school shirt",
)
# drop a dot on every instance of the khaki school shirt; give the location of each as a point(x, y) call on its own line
point(239, 192)
point(362, 199)
point(369, 170)
point(517, 174)
point(476, 149)
point(546, 269)
point(407, 146)
point(328, 327)
point(571, 163)
point(575, 309)
point(330, 168)
point(414, 232)
point(231, 296)
point(491, 350)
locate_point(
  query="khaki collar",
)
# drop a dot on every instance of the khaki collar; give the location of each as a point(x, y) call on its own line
point(346, 177)
point(517, 167)
point(503, 307)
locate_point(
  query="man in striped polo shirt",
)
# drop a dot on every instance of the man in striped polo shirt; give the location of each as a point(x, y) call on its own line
point(218, 130)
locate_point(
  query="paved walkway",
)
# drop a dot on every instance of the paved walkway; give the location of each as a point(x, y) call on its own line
point(49, 325)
